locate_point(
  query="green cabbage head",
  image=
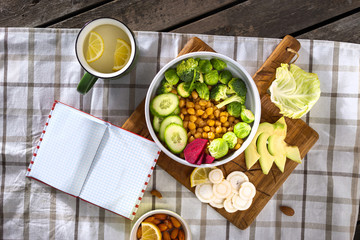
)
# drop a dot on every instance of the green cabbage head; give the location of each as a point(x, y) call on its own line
point(294, 91)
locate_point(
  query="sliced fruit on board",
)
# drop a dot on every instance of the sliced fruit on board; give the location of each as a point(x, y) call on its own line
point(222, 189)
point(266, 160)
point(236, 178)
point(199, 176)
point(276, 147)
point(195, 150)
point(204, 192)
point(247, 191)
point(240, 203)
point(216, 176)
point(293, 153)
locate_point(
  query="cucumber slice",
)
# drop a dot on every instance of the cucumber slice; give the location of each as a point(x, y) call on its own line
point(164, 104)
point(181, 90)
point(156, 123)
point(177, 111)
point(167, 121)
point(175, 138)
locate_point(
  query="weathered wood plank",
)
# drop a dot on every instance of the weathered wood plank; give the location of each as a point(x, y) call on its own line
point(19, 13)
point(345, 30)
point(150, 15)
point(264, 18)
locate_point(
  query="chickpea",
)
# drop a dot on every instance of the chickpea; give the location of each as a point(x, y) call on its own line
point(182, 116)
point(194, 95)
point(217, 113)
point(204, 135)
point(206, 128)
point(209, 111)
point(211, 116)
point(197, 107)
point(211, 123)
point(211, 135)
point(212, 129)
point(208, 104)
point(218, 129)
point(197, 135)
point(236, 121)
point(186, 124)
point(193, 131)
point(202, 103)
point(184, 111)
point(202, 124)
point(193, 118)
point(226, 124)
point(223, 119)
point(224, 130)
point(231, 119)
point(224, 114)
point(174, 91)
point(217, 123)
point(205, 115)
point(199, 112)
point(230, 129)
point(188, 134)
point(191, 138)
point(198, 121)
point(190, 105)
point(240, 141)
point(200, 130)
point(237, 146)
point(191, 111)
point(181, 103)
point(191, 126)
point(187, 118)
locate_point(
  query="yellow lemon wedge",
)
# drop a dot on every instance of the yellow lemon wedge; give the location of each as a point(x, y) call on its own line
point(199, 176)
point(96, 47)
point(150, 231)
point(121, 55)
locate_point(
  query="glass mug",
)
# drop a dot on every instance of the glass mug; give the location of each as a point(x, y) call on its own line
point(109, 30)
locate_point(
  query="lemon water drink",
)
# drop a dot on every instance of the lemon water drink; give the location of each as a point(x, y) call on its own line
point(107, 48)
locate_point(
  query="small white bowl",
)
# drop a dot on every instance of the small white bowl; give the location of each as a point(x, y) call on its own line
point(185, 226)
point(252, 102)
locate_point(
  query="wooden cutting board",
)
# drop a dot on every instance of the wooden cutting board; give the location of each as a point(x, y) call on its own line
point(299, 134)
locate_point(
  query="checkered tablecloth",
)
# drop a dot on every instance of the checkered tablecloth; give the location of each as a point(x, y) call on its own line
point(39, 65)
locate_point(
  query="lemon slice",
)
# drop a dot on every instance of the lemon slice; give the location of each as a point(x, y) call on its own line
point(96, 47)
point(199, 176)
point(150, 231)
point(121, 55)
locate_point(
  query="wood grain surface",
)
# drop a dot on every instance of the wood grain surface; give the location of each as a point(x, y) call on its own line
point(299, 134)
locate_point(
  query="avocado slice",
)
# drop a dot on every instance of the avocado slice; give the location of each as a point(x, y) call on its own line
point(251, 154)
point(293, 153)
point(280, 127)
point(276, 147)
point(266, 159)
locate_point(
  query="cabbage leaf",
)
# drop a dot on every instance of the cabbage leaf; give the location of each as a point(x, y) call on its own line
point(294, 91)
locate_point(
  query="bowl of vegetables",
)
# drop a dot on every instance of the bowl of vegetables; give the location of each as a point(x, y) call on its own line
point(202, 109)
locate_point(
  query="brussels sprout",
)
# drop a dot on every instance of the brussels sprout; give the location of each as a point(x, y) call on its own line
point(187, 69)
point(171, 76)
point(218, 64)
point(218, 92)
point(234, 109)
point(230, 139)
point(212, 77)
point(218, 148)
point(247, 116)
point(205, 66)
point(225, 76)
point(164, 87)
point(202, 90)
point(242, 129)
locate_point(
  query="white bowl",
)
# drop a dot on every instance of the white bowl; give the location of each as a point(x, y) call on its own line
point(252, 103)
point(185, 226)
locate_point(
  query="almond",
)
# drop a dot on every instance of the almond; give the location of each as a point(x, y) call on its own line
point(288, 211)
point(156, 193)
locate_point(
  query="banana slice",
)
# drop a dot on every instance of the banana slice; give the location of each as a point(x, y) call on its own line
point(247, 191)
point(216, 176)
point(217, 203)
point(222, 190)
point(204, 192)
point(236, 178)
point(239, 203)
point(229, 207)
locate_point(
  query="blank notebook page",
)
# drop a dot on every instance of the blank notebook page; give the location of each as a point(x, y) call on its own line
point(119, 171)
point(68, 149)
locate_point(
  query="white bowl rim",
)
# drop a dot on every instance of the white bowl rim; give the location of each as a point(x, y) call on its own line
point(257, 112)
point(161, 211)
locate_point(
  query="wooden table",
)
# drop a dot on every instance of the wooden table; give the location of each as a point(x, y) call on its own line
point(336, 20)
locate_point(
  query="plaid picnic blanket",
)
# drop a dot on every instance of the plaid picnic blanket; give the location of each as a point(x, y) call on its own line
point(39, 65)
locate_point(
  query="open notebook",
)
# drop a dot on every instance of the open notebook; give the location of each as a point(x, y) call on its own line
point(94, 160)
